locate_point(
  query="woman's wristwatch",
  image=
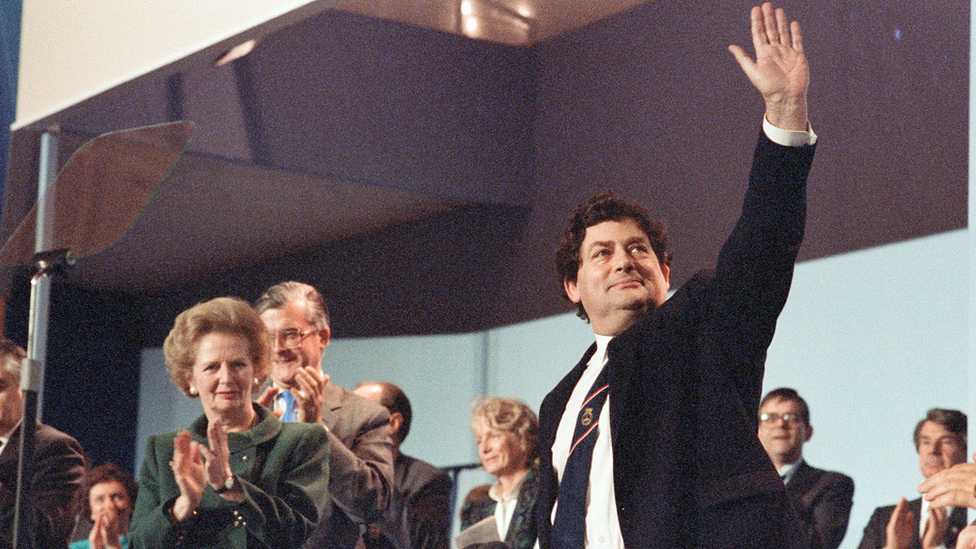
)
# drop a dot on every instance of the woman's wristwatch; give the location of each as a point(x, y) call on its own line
point(228, 485)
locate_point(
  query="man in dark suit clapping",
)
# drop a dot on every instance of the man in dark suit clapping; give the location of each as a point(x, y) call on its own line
point(940, 440)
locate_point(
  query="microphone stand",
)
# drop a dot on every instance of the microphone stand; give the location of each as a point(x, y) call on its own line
point(32, 384)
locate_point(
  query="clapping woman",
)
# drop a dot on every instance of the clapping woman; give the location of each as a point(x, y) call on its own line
point(237, 477)
point(108, 503)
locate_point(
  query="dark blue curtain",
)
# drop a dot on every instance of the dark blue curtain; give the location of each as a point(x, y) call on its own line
point(10, 11)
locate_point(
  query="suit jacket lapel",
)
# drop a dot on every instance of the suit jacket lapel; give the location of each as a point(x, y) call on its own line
point(9, 457)
point(333, 397)
point(560, 396)
point(957, 521)
point(801, 483)
point(915, 506)
point(519, 535)
point(12, 447)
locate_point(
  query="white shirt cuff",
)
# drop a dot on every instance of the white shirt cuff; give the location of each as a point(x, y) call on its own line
point(789, 138)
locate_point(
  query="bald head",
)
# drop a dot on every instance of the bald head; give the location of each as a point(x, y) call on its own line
point(393, 399)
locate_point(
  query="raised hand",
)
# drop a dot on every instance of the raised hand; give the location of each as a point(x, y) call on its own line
point(967, 538)
point(267, 399)
point(217, 457)
point(188, 470)
point(309, 391)
point(955, 486)
point(935, 528)
point(780, 71)
point(105, 533)
point(900, 525)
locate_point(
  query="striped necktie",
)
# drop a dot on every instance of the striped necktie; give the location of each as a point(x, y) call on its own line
point(569, 526)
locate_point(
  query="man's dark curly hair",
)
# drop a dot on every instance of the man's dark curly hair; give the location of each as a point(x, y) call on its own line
point(599, 208)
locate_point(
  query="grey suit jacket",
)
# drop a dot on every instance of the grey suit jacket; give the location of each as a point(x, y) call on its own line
point(822, 500)
point(360, 468)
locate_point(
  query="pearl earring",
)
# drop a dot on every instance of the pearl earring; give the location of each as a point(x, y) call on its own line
point(193, 391)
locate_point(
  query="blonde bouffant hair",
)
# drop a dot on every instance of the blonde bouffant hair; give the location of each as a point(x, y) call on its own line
point(223, 315)
point(515, 417)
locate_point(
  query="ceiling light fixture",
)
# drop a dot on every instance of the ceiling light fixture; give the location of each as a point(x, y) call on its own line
point(236, 52)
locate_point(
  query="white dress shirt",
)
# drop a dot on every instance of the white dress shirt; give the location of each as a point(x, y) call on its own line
point(504, 506)
point(786, 471)
point(602, 524)
point(923, 520)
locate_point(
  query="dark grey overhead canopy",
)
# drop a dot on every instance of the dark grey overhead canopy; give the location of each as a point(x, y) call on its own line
point(294, 147)
point(420, 178)
point(289, 153)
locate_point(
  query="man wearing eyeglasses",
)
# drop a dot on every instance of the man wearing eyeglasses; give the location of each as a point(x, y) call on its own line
point(822, 499)
point(361, 461)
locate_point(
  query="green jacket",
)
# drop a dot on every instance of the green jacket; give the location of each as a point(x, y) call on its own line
point(283, 469)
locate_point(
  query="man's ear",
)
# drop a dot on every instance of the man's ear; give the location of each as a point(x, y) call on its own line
point(666, 271)
point(325, 335)
point(396, 421)
point(572, 290)
point(809, 433)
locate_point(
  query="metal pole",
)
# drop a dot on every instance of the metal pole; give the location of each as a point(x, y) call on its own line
point(47, 172)
point(32, 383)
point(32, 370)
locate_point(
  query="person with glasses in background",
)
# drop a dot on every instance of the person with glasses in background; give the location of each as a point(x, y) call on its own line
point(822, 499)
point(361, 459)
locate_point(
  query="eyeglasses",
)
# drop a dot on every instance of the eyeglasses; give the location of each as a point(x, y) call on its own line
point(291, 338)
point(791, 419)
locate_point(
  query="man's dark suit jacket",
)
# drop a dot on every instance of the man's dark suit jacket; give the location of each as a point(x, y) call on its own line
point(685, 383)
point(59, 471)
point(419, 515)
point(875, 533)
point(822, 500)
